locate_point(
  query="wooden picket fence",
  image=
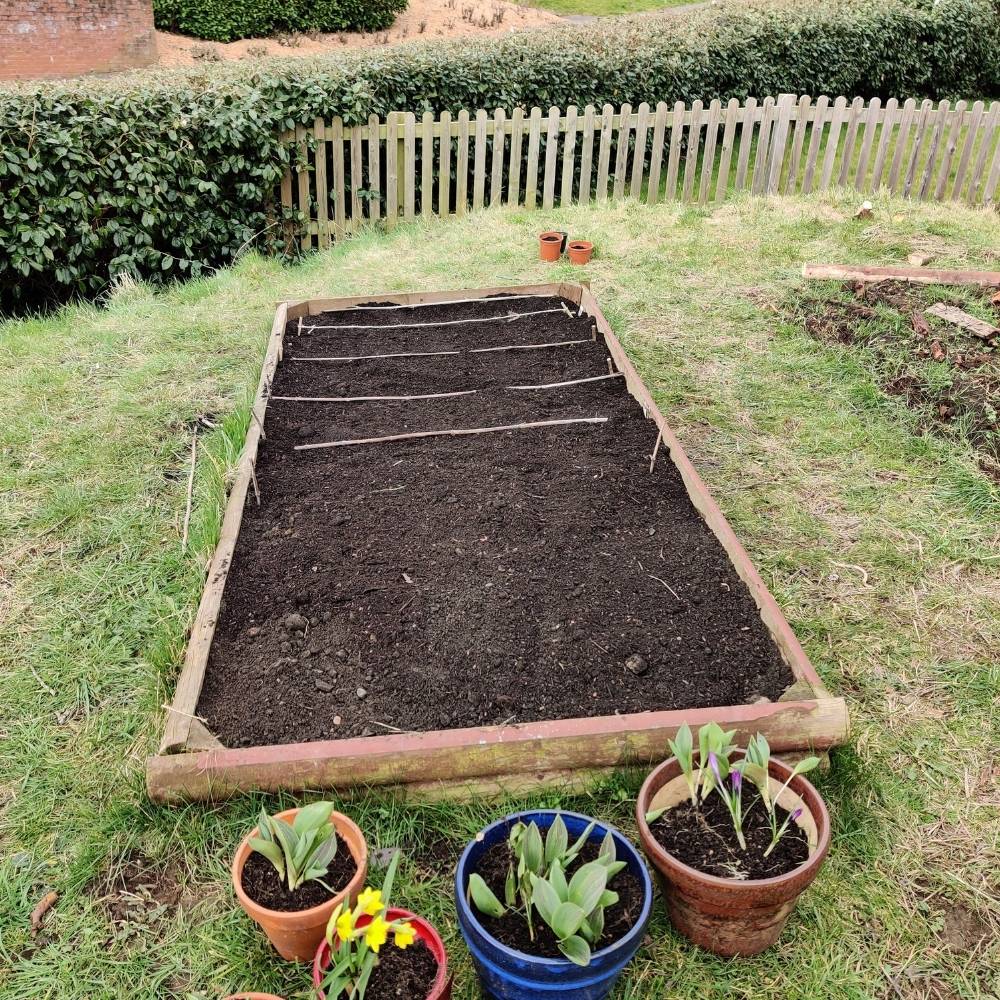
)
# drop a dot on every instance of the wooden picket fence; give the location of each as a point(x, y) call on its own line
point(343, 177)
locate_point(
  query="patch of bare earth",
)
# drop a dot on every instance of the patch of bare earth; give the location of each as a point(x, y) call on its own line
point(422, 20)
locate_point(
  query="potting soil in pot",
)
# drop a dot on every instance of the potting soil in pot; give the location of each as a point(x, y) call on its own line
point(265, 887)
point(512, 929)
point(445, 582)
point(703, 837)
point(402, 972)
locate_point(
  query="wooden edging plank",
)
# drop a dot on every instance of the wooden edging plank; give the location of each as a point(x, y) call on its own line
point(917, 275)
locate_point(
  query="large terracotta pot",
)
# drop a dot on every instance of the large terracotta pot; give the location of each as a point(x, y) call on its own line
point(732, 916)
point(297, 935)
point(440, 988)
point(551, 245)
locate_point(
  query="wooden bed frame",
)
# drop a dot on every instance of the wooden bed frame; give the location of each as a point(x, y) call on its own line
point(193, 764)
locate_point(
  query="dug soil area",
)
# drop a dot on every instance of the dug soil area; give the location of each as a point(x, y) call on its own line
point(451, 581)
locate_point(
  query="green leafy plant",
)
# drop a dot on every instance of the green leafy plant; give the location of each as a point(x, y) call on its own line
point(301, 851)
point(573, 908)
point(712, 741)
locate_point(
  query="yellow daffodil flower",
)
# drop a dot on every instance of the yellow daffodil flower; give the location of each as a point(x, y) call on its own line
point(405, 935)
point(370, 902)
point(376, 933)
point(345, 924)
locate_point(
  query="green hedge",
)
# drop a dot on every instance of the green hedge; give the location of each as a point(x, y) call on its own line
point(226, 20)
point(165, 174)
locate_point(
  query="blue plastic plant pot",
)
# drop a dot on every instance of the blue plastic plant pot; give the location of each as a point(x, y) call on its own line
point(506, 974)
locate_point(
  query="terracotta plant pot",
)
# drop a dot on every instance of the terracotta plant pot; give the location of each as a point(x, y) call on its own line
point(297, 935)
point(551, 245)
point(580, 251)
point(441, 987)
point(732, 916)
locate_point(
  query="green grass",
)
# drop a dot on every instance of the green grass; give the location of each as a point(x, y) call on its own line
point(879, 542)
point(605, 8)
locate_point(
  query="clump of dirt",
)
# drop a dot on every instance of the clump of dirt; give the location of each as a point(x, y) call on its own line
point(963, 930)
point(137, 894)
point(948, 376)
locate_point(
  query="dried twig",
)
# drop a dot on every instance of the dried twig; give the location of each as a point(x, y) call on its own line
point(379, 357)
point(451, 433)
point(665, 584)
point(187, 715)
point(526, 347)
point(41, 683)
point(372, 399)
point(574, 381)
point(38, 913)
point(510, 317)
point(190, 491)
point(381, 307)
point(656, 448)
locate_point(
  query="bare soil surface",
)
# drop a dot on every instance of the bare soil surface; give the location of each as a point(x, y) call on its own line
point(442, 582)
point(262, 883)
point(422, 20)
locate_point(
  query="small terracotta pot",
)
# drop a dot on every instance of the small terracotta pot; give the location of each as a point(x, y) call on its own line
point(296, 935)
point(551, 245)
point(732, 916)
point(580, 251)
point(440, 988)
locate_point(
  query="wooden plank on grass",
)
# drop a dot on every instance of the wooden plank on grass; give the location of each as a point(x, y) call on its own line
point(902, 138)
point(374, 167)
point(967, 149)
point(499, 149)
point(479, 164)
point(409, 165)
point(763, 145)
point(339, 180)
point(779, 141)
point(833, 142)
point(639, 157)
point(693, 148)
point(915, 275)
point(950, 148)
point(708, 158)
point(604, 154)
point(551, 158)
point(748, 118)
point(621, 154)
point(568, 157)
point(427, 164)
point(656, 153)
point(587, 153)
point(728, 141)
point(516, 141)
point(790, 181)
point(853, 121)
point(391, 170)
point(673, 161)
point(444, 165)
point(531, 175)
point(305, 203)
point(462, 165)
point(820, 119)
point(322, 194)
point(870, 121)
point(958, 317)
point(890, 117)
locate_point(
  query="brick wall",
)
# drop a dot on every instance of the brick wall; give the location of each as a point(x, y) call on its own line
point(69, 37)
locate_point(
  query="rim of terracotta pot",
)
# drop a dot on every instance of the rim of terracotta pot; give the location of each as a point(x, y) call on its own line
point(340, 822)
point(551, 236)
point(323, 952)
point(800, 785)
point(580, 245)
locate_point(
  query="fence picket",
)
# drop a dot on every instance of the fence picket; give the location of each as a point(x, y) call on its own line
point(531, 177)
point(357, 176)
point(322, 194)
point(928, 176)
point(569, 158)
point(427, 164)
point(708, 157)
point(783, 118)
point(639, 156)
point(462, 164)
point(339, 207)
point(479, 164)
point(551, 158)
point(516, 134)
point(621, 154)
point(656, 154)
point(820, 118)
point(305, 206)
point(374, 167)
point(676, 133)
point(994, 179)
point(693, 146)
point(604, 157)
point(499, 148)
point(871, 125)
point(746, 140)
point(391, 171)
point(918, 145)
point(950, 148)
point(763, 145)
point(791, 178)
point(728, 138)
point(587, 152)
point(833, 142)
point(409, 165)
point(444, 170)
point(853, 121)
point(905, 123)
point(970, 143)
point(976, 180)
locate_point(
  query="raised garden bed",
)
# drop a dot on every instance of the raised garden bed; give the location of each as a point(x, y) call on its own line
point(462, 611)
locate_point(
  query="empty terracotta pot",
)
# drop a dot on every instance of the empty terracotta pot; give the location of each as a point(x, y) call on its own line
point(732, 916)
point(297, 935)
point(551, 245)
point(580, 251)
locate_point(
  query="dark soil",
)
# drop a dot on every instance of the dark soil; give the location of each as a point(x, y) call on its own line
point(402, 972)
point(703, 837)
point(450, 582)
point(512, 929)
point(946, 375)
point(263, 885)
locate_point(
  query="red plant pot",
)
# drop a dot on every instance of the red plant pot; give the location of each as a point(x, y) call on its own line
point(580, 251)
point(441, 987)
point(551, 245)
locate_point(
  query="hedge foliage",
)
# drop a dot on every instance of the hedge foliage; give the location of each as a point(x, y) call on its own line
point(226, 20)
point(165, 174)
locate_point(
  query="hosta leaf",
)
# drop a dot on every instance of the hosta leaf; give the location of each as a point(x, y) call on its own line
point(312, 817)
point(271, 851)
point(556, 840)
point(545, 899)
point(566, 920)
point(576, 950)
point(587, 884)
point(532, 849)
point(484, 898)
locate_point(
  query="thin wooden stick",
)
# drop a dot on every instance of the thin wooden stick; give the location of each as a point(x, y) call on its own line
point(451, 433)
point(510, 317)
point(187, 715)
point(379, 357)
point(656, 448)
point(45, 687)
point(448, 302)
point(526, 347)
point(372, 399)
point(256, 488)
point(256, 419)
point(190, 491)
point(575, 381)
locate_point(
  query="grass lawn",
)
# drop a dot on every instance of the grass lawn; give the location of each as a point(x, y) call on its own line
point(881, 545)
point(605, 8)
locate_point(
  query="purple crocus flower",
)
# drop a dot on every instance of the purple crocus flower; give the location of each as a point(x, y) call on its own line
point(713, 763)
point(737, 779)
point(796, 814)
